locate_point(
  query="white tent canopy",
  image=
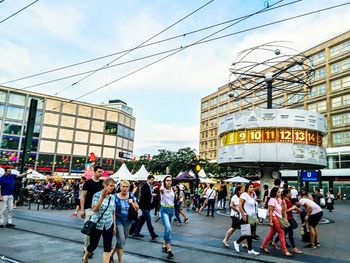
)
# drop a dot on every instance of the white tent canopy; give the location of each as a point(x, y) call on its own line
point(202, 174)
point(237, 179)
point(191, 173)
point(123, 174)
point(34, 175)
point(206, 180)
point(141, 174)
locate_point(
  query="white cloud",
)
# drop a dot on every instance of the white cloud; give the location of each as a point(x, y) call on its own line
point(169, 136)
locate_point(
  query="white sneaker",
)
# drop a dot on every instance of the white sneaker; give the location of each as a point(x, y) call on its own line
point(253, 252)
point(236, 246)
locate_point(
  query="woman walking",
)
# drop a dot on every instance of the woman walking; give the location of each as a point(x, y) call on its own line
point(167, 195)
point(247, 208)
point(287, 198)
point(123, 200)
point(235, 215)
point(275, 214)
point(177, 205)
point(103, 207)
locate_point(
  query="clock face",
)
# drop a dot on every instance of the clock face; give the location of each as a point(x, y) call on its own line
point(275, 174)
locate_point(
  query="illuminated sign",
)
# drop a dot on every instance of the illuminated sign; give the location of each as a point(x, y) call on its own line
point(271, 135)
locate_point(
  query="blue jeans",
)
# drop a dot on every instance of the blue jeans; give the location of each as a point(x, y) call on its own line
point(167, 215)
point(145, 217)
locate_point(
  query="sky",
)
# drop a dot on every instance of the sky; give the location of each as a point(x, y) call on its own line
point(165, 96)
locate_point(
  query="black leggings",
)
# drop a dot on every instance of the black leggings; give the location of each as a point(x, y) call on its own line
point(288, 231)
point(249, 238)
point(107, 235)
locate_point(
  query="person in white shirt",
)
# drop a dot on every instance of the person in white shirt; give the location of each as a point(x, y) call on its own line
point(211, 194)
point(247, 208)
point(235, 214)
point(313, 216)
point(294, 193)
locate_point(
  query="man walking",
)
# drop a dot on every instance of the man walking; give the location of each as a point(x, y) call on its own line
point(90, 187)
point(145, 203)
point(7, 186)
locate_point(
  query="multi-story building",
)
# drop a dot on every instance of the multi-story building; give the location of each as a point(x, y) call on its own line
point(330, 95)
point(66, 132)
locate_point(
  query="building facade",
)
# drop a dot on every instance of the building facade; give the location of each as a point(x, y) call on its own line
point(330, 95)
point(66, 132)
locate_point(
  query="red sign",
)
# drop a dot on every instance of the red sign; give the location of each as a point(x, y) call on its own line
point(61, 169)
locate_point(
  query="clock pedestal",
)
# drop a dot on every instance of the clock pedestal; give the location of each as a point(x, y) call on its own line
point(268, 175)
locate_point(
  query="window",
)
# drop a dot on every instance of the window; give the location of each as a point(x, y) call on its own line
point(322, 106)
point(2, 108)
point(336, 102)
point(17, 99)
point(320, 73)
point(34, 146)
point(234, 105)
point(345, 64)
point(224, 96)
point(213, 112)
point(125, 132)
point(45, 160)
point(13, 128)
point(205, 115)
point(335, 68)
point(335, 85)
point(346, 100)
point(78, 164)
point(223, 107)
point(312, 107)
point(335, 51)
point(346, 82)
point(111, 128)
point(337, 138)
point(214, 101)
point(40, 102)
point(336, 120)
point(10, 142)
point(15, 113)
point(3, 96)
point(205, 105)
point(321, 89)
point(346, 118)
point(317, 58)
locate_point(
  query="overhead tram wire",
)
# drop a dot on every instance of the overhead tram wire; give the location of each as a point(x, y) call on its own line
point(139, 45)
point(32, 3)
point(142, 46)
point(194, 44)
point(167, 56)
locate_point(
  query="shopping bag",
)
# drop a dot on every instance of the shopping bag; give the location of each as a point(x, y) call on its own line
point(262, 213)
point(246, 230)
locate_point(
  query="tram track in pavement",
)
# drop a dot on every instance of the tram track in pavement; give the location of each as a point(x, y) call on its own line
point(184, 246)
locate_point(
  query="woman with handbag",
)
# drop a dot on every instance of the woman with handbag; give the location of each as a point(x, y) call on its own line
point(235, 222)
point(167, 196)
point(126, 213)
point(276, 221)
point(103, 207)
point(287, 198)
point(247, 208)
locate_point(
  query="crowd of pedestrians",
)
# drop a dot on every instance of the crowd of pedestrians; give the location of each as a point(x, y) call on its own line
point(110, 205)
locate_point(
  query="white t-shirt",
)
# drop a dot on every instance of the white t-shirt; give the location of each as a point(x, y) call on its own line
point(294, 193)
point(235, 200)
point(249, 204)
point(315, 207)
point(210, 193)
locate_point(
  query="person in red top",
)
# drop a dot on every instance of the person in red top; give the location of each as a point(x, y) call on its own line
point(287, 197)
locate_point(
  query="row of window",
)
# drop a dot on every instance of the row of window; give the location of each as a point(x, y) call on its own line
point(341, 137)
point(340, 49)
point(340, 66)
point(18, 113)
point(18, 99)
point(341, 119)
point(120, 130)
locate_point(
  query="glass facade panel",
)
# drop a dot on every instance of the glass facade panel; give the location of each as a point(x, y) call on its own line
point(2, 108)
point(111, 128)
point(3, 95)
point(78, 164)
point(7, 157)
point(335, 85)
point(10, 142)
point(13, 128)
point(15, 113)
point(45, 162)
point(17, 99)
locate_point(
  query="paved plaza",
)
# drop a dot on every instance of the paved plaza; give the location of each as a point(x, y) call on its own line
point(54, 236)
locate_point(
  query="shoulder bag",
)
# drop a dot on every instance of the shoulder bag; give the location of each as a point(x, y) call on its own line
point(90, 226)
point(132, 212)
point(283, 222)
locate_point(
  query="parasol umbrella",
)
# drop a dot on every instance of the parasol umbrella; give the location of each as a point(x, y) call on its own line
point(237, 179)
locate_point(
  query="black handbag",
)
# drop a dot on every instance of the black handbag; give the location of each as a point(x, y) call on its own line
point(90, 226)
point(293, 223)
point(132, 213)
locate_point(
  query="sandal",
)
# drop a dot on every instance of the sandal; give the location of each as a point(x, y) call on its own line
point(111, 260)
point(287, 254)
point(265, 250)
point(274, 245)
point(296, 251)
